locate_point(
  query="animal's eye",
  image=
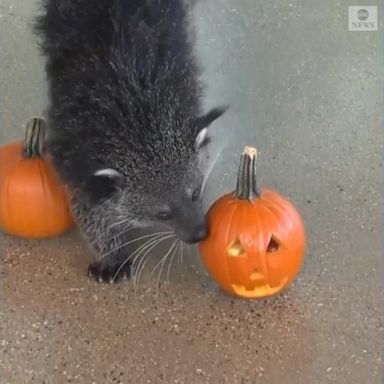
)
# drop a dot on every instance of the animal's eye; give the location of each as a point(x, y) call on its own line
point(164, 215)
point(195, 194)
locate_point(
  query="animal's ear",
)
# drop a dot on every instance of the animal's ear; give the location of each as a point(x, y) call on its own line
point(107, 172)
point(202, 124)
point(103, 183)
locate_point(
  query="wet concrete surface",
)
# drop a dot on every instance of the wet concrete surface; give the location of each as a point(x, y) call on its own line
point(308, 94)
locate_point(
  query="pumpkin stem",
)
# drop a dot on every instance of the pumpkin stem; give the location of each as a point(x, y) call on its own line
point(35, 133)
point(246, 179)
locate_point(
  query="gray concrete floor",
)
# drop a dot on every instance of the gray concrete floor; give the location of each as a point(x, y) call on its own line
point(308, 93)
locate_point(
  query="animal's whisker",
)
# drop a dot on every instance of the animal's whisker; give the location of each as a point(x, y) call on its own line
point(179, 252)
point(143, 260)
point(161, 263)
point(162, 266)
point(136, 270)
point(182, 252)
point(124, 231)
point(141, 268)
point(137, 251)
point(115, 224)
point(133, 241)
point(120, 246)
point(136, 254)
point(156, 266)
point(210, 169)
point(171, 258)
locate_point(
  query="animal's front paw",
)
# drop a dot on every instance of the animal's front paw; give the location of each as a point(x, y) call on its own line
point(107, 273)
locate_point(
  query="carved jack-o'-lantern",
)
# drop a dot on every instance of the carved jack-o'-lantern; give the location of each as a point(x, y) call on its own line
point(257, 241)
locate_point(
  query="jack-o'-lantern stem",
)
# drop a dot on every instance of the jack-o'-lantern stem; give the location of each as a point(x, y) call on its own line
point(246, 179)
point(34, 138)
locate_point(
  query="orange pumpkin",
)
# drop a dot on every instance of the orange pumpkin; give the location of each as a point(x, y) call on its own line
point(257, 240)
point(33, 202)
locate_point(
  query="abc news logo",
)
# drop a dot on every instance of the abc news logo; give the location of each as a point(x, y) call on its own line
point(362, 18)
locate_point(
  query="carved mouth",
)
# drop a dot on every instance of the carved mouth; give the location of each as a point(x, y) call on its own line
point(259, 291)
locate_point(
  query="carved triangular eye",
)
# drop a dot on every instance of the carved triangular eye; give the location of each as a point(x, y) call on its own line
point(236, 249)
point(273, 245)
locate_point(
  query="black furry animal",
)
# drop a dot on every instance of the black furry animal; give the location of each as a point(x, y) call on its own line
point(127, 132)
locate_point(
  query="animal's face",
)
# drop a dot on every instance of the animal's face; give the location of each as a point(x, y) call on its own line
point(166, 189)
point(186, 217)
point(178, 204)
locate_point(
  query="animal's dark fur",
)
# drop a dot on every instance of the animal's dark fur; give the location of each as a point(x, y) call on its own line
point(124, 95)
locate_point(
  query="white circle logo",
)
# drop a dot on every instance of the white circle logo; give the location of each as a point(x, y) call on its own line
point(362, 14)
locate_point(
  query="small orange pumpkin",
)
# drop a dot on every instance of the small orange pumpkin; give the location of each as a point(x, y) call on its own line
point(33, 202)
point(257, 240)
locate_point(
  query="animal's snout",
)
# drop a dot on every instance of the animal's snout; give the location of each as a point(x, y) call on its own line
point(199, 234)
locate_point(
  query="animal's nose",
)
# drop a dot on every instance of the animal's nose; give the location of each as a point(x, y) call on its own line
point(199, 234)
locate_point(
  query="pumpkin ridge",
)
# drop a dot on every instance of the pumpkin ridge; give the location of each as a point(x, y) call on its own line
point(8, 210)
point(273, 214)
point(276, 209)
point(259, 229)
point(284, 205)
point(229, 235)
point(43, 176)
point(265, 261)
